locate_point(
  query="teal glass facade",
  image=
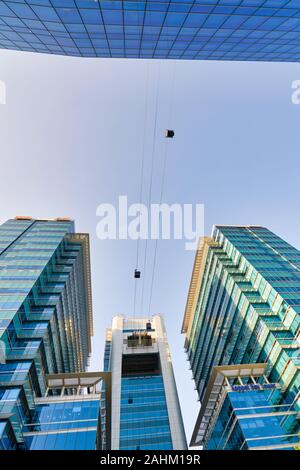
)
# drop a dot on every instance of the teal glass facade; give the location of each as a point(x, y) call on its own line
point(144, 414)
point(251, 419)
point(260, 30)
point(45, 314)
point(63, 425)
point(7, 436)
point(247, 308)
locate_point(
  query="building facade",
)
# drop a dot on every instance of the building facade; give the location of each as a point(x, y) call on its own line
point(45, 316)
point(243, 309)
point(68, 417)
point(250, 30)
point(145, 407)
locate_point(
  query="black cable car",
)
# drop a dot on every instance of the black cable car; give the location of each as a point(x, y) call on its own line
point(137, 274)
point(169, 133)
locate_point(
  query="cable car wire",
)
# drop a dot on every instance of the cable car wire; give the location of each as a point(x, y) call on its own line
point(143, 159)
point(162, 185)
point(151, 179)
point(141, 185)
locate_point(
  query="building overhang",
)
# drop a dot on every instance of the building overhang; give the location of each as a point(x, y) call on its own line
point(90, 381)
point(213, 390)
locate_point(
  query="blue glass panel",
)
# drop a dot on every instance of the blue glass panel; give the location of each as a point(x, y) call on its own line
point(45, 13)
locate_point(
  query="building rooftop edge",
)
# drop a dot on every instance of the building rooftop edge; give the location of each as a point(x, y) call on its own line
point(85, 238)
point(194, 282)
point(51, 219)
point(239, 226)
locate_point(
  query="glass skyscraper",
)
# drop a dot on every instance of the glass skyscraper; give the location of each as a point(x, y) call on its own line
point(260, 30)
point(242, 327)
point(45, 318)
point(145, 407)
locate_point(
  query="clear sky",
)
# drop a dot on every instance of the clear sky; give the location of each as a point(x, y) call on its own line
point(71, 137)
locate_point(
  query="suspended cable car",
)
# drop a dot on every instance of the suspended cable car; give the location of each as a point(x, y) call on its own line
point(169, 133)
point(137, 274)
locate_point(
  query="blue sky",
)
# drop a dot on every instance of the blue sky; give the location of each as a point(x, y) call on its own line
point(71, 137)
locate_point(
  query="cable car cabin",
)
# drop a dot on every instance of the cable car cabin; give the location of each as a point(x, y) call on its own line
point(169, 134)
point(137, 274)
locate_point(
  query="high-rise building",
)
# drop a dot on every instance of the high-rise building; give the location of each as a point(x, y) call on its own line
point(242, 327)
point(256, 30)
point(45, 319)
point(145, 407)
